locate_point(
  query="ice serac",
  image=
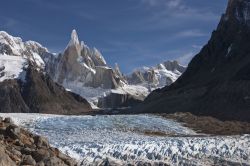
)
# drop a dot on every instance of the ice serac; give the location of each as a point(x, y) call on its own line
point(24, 84)
point(217, 80)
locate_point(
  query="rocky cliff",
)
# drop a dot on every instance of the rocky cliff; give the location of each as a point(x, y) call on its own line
point(20, 147)
point(217, 80)
point(84, 71)
point(83, 66)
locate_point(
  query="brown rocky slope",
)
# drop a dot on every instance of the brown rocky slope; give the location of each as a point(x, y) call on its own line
point(20, 147)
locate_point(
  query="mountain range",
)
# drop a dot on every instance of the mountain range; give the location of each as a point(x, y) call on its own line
point(217, 80)
point(25, 85)
point(78, 72)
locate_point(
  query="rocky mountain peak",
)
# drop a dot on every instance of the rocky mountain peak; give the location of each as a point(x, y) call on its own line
point(239, 10)
point(74, 41)
point(217, 80)
point(9, 44)
point(174, 65)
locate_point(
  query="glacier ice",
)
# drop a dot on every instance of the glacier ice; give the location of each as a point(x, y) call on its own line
point(125, 139)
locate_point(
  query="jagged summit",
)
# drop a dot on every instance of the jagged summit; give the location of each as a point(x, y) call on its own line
point(25, 82)
point(82, 64)
point(74, 41)
point(238, 10)
point(159, 76)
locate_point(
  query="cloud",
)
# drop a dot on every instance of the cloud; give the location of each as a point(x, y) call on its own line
point(169, 14)
point(165, 3)
point(186, 58)
point(191, 33)
point(195, 46)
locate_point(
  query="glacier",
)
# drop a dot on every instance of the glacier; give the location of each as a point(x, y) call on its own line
point(134, 139)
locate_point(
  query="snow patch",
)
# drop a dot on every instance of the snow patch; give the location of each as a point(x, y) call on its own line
point(74, 39)
point(89, 93)
point(38, 60)
point(162, 76)
point(12, 67)
point(99, 56)
point(15, 43)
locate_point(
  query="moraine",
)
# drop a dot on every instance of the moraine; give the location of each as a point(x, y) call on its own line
point(134, 139)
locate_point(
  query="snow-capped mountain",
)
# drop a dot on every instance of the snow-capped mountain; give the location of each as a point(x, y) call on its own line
point(140, 83)
point(24, 84)
point(30, 50)
point(82, 66)
point(159, 76)
point(83, 71)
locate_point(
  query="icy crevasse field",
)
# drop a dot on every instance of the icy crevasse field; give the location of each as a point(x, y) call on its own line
point(134, 139)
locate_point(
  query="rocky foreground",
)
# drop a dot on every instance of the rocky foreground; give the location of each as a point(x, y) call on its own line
point(20, 147)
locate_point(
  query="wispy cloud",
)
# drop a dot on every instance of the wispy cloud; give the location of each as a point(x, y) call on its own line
point(195, 46)
point(165, 3)
point(186, 58)
point(191, 33)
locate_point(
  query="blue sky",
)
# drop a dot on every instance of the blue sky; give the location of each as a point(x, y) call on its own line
point(132, 33)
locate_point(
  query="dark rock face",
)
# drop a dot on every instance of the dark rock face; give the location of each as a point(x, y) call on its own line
point(39, 94)
point(104, 78)
point(174, 65)
point(217, 80)
point(117, 100)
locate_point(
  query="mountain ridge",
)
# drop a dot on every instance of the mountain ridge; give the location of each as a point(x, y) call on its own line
point(216, 82)
point(24, 84)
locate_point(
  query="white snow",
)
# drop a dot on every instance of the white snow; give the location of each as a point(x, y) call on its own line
point(36, 45)
point(38, 60)
point(12, 67)
point(123, 140)
point(98, 54)
point(163, 76)
point(134, 90)
point(93, 94)
point(15, 43)
point(89, 93)
point(104, 67)
point(74, 39)
point(29, 50)
point(89, 68)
